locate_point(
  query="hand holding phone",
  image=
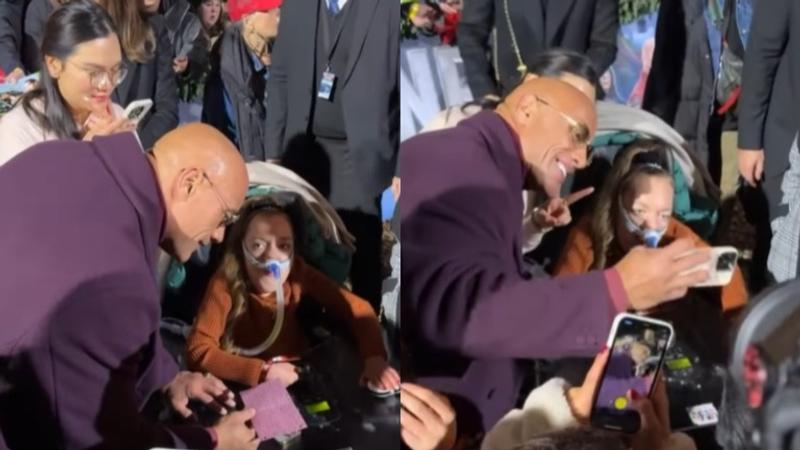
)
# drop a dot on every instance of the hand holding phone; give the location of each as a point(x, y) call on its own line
point(652, 276)
point(720, 265)
point(106, 126)
point(636, 347)
point(136, 110)
point(655, 429)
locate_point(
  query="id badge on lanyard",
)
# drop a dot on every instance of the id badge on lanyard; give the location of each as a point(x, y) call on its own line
point(326, 84)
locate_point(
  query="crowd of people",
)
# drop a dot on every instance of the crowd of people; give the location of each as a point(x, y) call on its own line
point(489, 292)
point(529, 218)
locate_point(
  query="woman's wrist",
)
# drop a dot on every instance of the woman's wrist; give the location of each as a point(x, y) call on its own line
point(572, 394)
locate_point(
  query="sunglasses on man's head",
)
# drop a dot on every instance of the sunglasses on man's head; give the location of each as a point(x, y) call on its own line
point(578, 131)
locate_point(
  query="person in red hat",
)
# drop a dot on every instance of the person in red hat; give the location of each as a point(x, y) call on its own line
point(235, 96)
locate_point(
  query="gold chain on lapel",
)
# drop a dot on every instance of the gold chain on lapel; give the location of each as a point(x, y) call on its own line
point(521, 67)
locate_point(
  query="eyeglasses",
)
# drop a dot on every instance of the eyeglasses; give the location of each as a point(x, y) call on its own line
point(230, 216)
point(578, 131)
point(98, 77)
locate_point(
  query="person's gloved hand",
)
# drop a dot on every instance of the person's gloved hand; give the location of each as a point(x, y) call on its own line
point(207, 389)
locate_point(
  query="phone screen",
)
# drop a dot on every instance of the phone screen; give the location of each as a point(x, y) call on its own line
point(635, 358)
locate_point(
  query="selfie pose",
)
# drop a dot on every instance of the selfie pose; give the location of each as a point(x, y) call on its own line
point(82, 64)
point(634, 208)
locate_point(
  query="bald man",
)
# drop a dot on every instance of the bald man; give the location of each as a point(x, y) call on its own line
point(470, 309)
point(80, 354)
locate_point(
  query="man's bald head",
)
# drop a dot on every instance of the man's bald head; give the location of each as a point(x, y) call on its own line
point(554, 122)
point(203, 180)
point(197, 144)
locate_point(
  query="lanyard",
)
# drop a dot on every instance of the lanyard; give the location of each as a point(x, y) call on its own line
point(326, 36)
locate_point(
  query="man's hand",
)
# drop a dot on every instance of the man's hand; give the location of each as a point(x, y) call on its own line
point(233, 432)
point(555, 213)
point(427, 421)
point(751, 165)
point(652, 276)
point(580, 398)
point(204, 388)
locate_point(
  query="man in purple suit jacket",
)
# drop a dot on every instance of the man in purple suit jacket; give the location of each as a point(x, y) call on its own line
point(471, 309)
point(80, 354)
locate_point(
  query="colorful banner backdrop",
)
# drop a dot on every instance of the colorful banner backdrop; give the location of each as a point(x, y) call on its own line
point(625, 81)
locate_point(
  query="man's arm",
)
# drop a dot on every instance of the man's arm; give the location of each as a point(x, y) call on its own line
point(463, 292)
point(603, 41)
point(769, 33)
point(100, 378)
point(277, 86)
point(477, 20)
point(11, 12)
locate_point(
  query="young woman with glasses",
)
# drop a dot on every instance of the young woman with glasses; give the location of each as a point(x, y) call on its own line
point(81, 66)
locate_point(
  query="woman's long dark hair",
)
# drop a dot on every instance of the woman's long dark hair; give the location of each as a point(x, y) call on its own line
point(556, 62)
point(552, 63)
point(67, 27)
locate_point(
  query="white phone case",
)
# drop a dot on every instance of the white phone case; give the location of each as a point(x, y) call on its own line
point(718, 276)
point(137, 109)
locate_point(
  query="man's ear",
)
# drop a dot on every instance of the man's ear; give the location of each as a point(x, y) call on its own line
point(187, 183)
point(529, 77)
point(527, 108)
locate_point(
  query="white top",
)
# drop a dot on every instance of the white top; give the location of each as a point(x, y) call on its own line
point(18, 132)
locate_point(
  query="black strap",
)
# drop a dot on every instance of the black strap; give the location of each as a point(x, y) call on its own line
point(326, 36)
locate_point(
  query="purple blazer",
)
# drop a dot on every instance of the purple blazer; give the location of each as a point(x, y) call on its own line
point(80, 352)
point(470, 310)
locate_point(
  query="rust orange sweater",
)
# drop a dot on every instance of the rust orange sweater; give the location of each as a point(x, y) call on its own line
point(578, 257)
point(203, 346)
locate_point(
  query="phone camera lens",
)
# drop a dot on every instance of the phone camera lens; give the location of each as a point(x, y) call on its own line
point(726, 262)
